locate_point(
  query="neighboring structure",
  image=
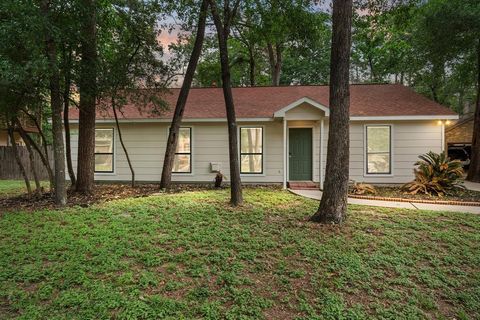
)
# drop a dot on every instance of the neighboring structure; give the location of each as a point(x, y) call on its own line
point(460, 132)
point(4, 138)
point(283, 134)
point(458, 138)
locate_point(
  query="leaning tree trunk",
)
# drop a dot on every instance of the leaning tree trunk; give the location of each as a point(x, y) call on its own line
point(43, 156)
point(56, 103)
point(182, 99)
point(122, 143)
point(88, 88)
point(236, 197)
point(18, 160)
point(23, 134)
point(474, 169)
point(66, 121)
point(333, 206)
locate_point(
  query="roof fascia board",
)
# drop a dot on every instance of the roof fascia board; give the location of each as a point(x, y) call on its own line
point(419, 117)
point(149, 120)
point(354, 118)
point(281, 113)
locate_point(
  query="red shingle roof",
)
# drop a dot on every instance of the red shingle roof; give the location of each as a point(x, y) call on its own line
point(263, 102)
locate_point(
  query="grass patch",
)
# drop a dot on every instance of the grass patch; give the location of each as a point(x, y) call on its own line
point(190, 255)
point(9, 188)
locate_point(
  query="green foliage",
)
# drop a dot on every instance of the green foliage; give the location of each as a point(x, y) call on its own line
point(436, 174)
point(190, 255)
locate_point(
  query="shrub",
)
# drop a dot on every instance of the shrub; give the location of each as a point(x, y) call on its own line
point(362, 188)
point(436, 175)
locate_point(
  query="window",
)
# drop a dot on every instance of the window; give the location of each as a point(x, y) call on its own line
point(379, 150)
point(183, 156)
point(104, 150)
point(251, 150)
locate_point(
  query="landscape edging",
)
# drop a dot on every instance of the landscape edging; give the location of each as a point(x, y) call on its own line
point(443, 202)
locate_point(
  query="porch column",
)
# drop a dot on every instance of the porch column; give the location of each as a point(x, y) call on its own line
point(284, 153)
point(443, 135)
point(321, 152)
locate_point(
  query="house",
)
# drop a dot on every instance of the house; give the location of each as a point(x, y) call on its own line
point(283, 134)
point(28, 126)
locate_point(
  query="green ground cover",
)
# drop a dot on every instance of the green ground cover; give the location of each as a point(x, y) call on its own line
point(190, 255)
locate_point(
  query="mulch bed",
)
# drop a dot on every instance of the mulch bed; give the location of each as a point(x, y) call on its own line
point(457, 197)
point(102, 193)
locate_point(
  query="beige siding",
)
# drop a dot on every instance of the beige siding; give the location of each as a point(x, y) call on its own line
point(410, 139)
point(146, 144)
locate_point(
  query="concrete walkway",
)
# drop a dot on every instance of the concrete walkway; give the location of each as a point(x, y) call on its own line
point(317, 194)
point(475, 186)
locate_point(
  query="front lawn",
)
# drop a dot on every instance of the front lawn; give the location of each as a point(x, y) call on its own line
point(189, 255)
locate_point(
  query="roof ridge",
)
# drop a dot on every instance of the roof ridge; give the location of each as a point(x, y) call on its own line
point(302, 85)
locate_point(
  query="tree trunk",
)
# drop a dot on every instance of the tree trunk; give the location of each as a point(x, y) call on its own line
point(44, 143)
point(251, 64)
point(66, 122)
point(88, 88)
point(474, 169)
point(223, 30)
point(373, 77)
point(56, 103)
point(333, 206)
point(182, 99)
point(121, 142)
point(275, 61)
point(23, 134)
point(18, 160)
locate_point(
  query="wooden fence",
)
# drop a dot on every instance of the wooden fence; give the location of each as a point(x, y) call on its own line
point(9, 167)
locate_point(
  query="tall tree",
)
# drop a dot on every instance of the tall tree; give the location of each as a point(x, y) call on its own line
point(449, 32)
point(88, 94)
point(129, 57)
point(474, 170)
point(56, 103)
point(182, 99)
point(223, 31)
point(67, 53)
point(333, 205)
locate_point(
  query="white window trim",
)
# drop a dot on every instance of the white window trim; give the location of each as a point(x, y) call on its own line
point(264, 168)
point(392, 158)
point(114, 160)
point(192, 149)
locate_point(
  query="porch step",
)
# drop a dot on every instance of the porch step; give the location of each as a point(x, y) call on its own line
point(303, 185)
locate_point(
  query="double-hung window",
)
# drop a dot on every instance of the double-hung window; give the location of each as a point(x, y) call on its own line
point(183, 155)
point(104, 150)
point(251, 150)
point(378, 149)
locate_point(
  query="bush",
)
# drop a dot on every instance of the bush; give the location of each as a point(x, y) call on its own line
point(436, 175)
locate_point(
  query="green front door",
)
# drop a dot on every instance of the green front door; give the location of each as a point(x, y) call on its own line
point(300, 154)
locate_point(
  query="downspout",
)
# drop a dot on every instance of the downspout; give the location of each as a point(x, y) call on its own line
point(321, 152)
